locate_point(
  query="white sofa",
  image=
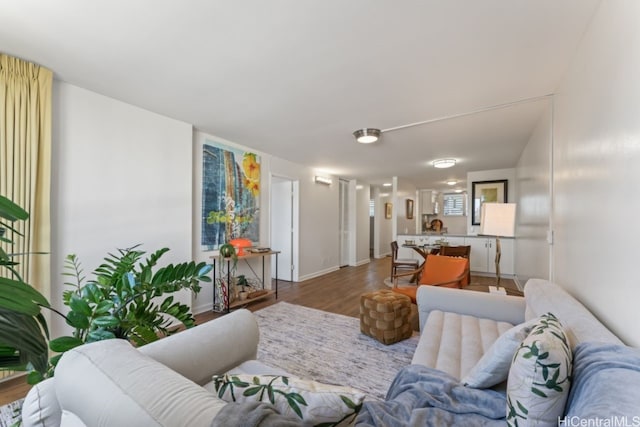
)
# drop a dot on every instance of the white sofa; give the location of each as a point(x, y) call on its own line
point(165, 383)
point(111, 383)
point(459, 327)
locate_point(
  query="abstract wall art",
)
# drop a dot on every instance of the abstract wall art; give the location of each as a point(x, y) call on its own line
point(230, 195)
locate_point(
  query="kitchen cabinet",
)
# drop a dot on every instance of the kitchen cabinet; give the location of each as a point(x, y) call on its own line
point(483, 255)
point(428, 202)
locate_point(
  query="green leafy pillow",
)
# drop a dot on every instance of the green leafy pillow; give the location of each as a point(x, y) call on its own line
point(309, 402)
point(540, 376)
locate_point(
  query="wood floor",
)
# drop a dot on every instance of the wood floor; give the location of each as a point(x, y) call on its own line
point(338, 292)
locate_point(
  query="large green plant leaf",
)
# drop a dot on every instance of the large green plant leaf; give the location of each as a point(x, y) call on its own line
point(21, 297)
point(25, 334)
point(11, 211)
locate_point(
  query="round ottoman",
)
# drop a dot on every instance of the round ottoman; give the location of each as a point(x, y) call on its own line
point(384, 315)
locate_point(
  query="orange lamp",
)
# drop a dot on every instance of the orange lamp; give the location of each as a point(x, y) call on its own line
point(240, 244)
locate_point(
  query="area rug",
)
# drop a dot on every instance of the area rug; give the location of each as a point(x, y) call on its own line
point(10, 414)
point(329, 348)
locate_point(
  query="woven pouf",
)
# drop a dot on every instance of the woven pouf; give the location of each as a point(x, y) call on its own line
point(384, 315)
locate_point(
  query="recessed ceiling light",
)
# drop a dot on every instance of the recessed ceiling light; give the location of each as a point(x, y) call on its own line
point(387, 184)
point(367, 135)
point(444, 163)
point(458, 191)
point(452, 182)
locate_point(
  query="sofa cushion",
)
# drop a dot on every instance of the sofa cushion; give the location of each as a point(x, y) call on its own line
point(540, 376)
point(543, 296)
point(454, 343)
point(309, 402)
point(493, 367)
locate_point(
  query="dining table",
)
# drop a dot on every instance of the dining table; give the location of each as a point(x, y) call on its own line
point(424, 250)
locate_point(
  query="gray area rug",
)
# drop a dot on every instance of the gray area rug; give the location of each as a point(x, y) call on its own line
point(329, 348)
point(10, 414)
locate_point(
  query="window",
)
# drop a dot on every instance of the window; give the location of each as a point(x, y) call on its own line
point(454, 204)
point(372, 208)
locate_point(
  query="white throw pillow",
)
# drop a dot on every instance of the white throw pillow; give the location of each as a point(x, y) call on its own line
point(540, 376)
point(309, 402)
point(493, 367)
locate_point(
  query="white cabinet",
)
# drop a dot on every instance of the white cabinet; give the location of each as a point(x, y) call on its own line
point(483, 255)
point(428, 202)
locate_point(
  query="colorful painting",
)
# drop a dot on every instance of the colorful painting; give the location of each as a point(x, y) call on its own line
point(230, 195)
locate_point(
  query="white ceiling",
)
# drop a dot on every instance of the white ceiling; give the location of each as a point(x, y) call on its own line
point(295, 78)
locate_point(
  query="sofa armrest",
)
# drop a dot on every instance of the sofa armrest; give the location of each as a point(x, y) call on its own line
point(211, 348)
point(502, 308)
point(110, 383)
point(40, 407)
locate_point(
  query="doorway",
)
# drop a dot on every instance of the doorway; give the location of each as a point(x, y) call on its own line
point(345, 229)
point(284, 202)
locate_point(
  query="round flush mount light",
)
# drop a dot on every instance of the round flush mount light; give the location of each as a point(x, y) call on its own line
point(367, 135)
point(444, 163)
point(452, 182)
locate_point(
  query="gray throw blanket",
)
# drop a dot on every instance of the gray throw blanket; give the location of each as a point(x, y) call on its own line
point(420, 396)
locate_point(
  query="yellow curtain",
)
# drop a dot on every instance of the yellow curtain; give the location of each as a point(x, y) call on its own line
point(25, 161)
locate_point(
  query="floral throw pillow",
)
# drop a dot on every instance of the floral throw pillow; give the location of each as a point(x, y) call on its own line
point(540, 376)
point(309, 402)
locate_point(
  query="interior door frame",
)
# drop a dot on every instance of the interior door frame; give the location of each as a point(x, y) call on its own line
point(295, 206)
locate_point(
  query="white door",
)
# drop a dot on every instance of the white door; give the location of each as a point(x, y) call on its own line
point(282, 227)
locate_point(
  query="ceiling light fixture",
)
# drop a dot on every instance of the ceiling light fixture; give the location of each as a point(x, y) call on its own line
point(452, 182)
point(387, 184)
point(367, 135)
point(444, 163)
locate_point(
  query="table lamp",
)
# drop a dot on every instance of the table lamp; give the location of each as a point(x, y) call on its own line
point(498, 219)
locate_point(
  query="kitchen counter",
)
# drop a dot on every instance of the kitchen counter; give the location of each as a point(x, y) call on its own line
point(445, 235)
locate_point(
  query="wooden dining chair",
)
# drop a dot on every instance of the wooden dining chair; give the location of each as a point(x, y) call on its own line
point(437, 270)
point(400, 263)
point(459, 251)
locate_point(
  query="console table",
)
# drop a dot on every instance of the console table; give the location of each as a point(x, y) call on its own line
point(224, 299)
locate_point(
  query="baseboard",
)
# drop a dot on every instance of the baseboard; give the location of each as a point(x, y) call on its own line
point(318, 274)
point(363, 262)
point(202, 308)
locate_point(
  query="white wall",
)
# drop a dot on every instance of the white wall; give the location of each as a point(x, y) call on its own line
point(596, 170)
point(384, 226)
point(204, 300)
point(405, 190)
point(534, 204)
point(489, 175)
point(319, 219)
point(120, 176)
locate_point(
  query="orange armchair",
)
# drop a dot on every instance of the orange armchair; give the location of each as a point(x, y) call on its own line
point(437, 270)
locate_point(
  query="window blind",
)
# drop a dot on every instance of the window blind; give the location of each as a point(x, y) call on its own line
point(454, 204)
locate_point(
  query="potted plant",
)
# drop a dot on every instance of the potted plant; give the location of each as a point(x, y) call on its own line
point(121, 300)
